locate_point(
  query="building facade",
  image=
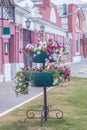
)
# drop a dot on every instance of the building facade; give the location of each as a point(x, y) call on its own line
point(42, 13)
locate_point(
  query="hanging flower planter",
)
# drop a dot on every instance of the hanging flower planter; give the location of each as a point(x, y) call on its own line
point(42, 52)
point(39, 58)
point(39, 77)
point(42, 79)
point(47, 75)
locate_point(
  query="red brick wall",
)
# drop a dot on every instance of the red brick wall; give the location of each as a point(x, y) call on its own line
point(15, 42)
point(72, 26)
point(45, 11)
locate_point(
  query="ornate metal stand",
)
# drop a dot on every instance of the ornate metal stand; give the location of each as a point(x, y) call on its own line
point(44, 112)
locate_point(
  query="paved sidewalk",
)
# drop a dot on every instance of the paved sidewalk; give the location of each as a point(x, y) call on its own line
point(78, 69)
point(9, 101)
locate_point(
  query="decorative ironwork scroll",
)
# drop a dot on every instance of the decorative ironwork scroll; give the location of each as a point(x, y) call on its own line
point(39, 114)
point(7, 9)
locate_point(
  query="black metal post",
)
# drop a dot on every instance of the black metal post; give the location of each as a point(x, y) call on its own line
point(45, 104)
point(45, 99)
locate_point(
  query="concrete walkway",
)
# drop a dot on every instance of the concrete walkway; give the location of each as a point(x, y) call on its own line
point(9, 101)
point(79, 69)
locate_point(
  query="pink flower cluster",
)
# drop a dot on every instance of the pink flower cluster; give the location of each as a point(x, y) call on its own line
point(66, 71)
point(50, 48)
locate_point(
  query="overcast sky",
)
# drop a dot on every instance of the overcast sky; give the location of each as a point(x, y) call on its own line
point(59, 2)
point(84, 0)
point(23, 3)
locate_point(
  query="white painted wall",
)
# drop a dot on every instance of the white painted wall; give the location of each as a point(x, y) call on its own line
point(1, 77)
point(10, 71)
point(54, 31)
point(77, 58)
point(14, 68)
point(7, 72)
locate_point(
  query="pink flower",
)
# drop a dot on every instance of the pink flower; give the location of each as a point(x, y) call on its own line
point(50, 40)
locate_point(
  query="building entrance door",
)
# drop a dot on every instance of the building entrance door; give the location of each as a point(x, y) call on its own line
point(26, 40)
point(85, 48)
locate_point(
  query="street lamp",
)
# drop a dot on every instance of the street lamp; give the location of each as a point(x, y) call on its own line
point(40, 33)
point(42, 28)
point(27, 58)
point(27, 22)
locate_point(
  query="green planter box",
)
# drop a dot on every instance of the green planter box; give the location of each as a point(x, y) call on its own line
point(42, 79)
point(41, 58)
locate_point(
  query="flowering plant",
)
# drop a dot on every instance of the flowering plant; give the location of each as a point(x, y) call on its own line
point(52, 49)
point(65, 71)
point(24, 77)
point(28, 76)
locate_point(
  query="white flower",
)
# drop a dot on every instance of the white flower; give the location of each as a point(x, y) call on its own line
point(20, 83)
point(50, 57)
point(47, 61)
point(27, 45)
point(38, 52)
point(34, 55)
point(40, 47)
point(55, 82)
point(35, 49)
point(41, 42)
point(44, 42)
point(55, 56)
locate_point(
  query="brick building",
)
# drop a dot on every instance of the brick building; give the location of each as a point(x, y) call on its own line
point(43, 13)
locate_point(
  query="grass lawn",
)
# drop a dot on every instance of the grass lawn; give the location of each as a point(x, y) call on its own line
point(71, 98)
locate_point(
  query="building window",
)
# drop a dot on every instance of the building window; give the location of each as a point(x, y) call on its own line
point(77, 43)
point(65, 9)
point(37, 0)
point(59, 40)
point(68, 48)
point(26, 35)
point(6, 48)
point(51, 37)
point(47, 37)
point(53, 15)
point(77, 36)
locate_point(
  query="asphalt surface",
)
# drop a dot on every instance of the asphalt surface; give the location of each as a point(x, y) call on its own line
point(9, 101)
